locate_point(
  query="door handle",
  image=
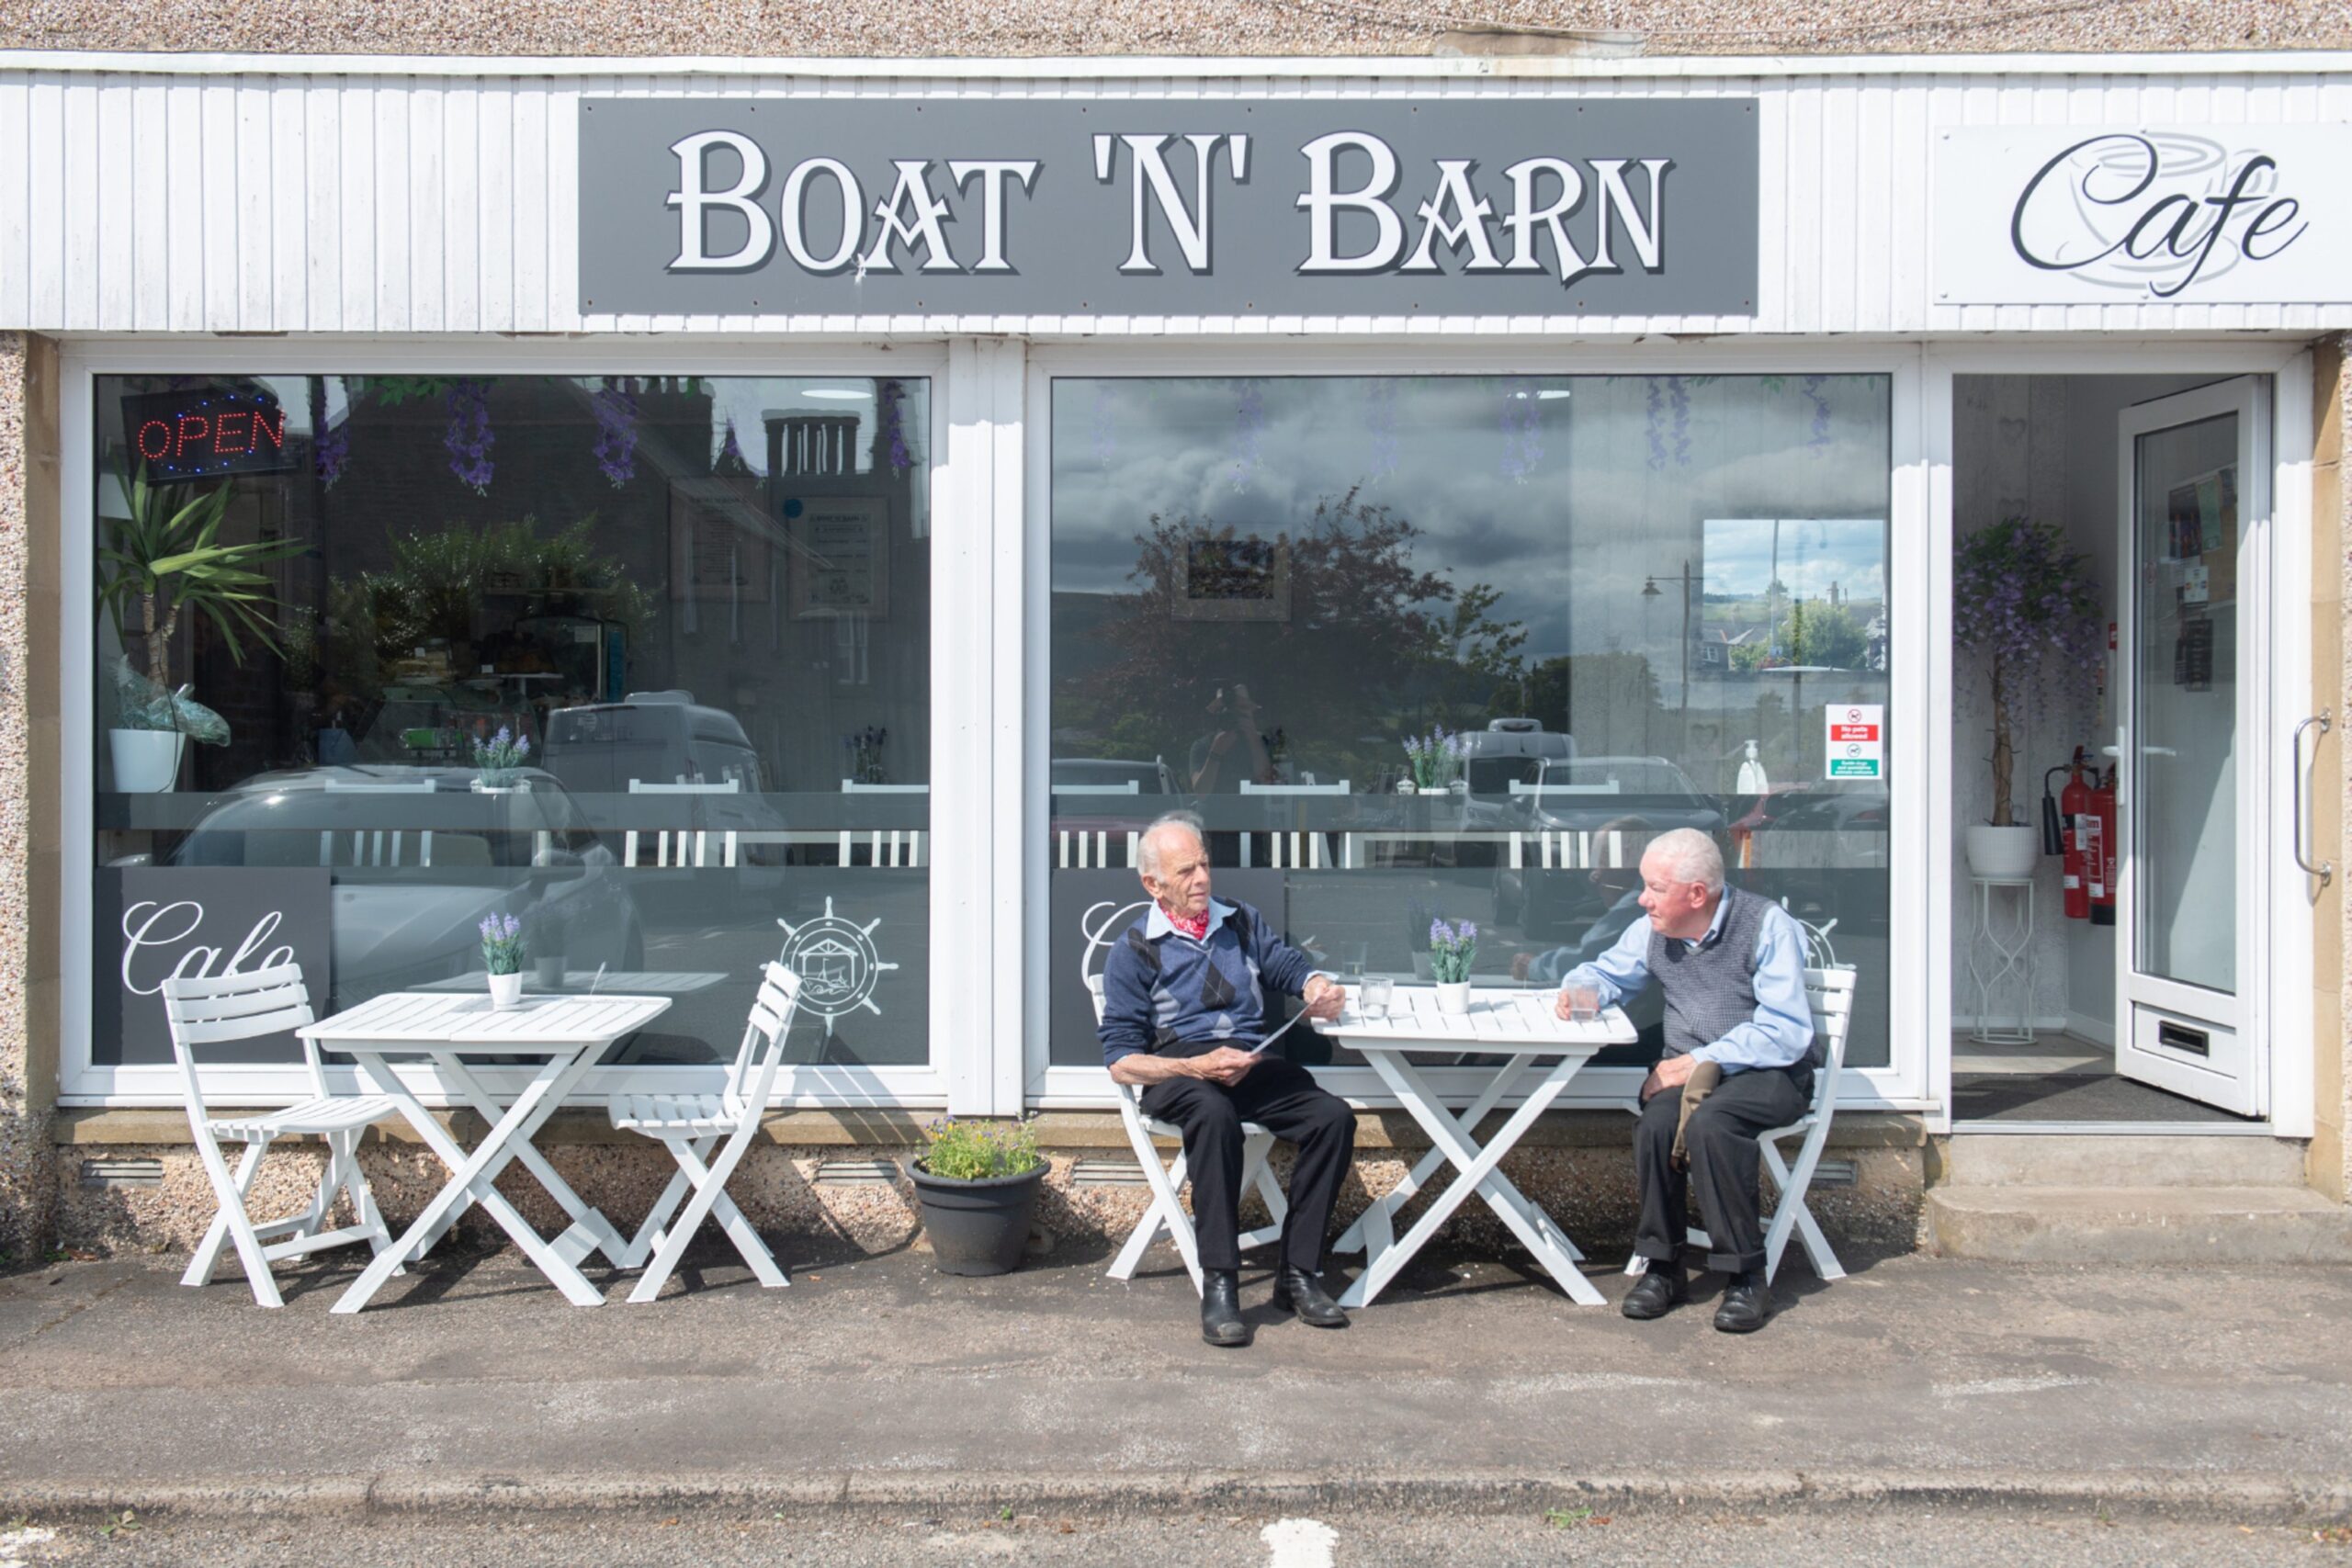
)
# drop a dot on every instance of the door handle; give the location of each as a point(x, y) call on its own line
point(2325, 870)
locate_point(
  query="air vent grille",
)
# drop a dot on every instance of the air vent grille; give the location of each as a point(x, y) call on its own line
point(122, 1173)
point(1107, 1173)
point(856, 1173)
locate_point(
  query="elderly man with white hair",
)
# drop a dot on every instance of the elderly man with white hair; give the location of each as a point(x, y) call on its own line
point(1732, 968)
point(1184, 1006)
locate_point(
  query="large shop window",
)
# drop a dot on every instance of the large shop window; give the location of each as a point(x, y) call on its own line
point(1598, 608)
point(640, 662)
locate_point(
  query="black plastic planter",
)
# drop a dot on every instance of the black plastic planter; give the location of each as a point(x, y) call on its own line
point(977, 1227)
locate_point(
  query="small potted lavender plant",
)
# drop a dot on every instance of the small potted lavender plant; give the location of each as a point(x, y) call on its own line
point(499, 762)
point(1451, 947)
point(501, 953)
point(1435, 760)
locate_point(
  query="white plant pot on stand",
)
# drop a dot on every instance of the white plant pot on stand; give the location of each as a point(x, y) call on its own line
point(1453, 996)
point(146, 761)
point(2002, 854)
point(506, 991)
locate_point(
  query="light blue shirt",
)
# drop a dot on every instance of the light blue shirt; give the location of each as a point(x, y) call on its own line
point(1780, 1032)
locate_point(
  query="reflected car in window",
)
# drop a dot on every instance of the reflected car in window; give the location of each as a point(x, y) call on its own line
point(1608, 810)
point(419, 855)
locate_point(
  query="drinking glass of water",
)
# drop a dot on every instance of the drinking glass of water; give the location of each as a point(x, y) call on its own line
point(1584, 1004)
point(1376, 993)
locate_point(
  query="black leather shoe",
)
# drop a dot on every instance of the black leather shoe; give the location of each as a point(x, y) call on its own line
point(1655, 1293)
point(1221, 1322)
point(1297, 1291)
point(1742, 1310)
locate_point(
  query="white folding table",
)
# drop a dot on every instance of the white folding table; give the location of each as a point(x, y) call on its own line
point(1520, 1028)
point(565, 1035)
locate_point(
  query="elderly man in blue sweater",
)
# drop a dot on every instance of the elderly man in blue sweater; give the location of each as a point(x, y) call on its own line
point(1183, 1003)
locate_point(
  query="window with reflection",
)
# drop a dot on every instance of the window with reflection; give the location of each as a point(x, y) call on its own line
point(640, 661)
point(1459, 647)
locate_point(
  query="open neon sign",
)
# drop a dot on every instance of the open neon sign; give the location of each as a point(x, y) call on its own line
point(206, 431)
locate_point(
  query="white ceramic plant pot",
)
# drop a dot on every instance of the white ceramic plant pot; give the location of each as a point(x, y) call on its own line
point(146, 761)
point(2002, 853)
point(1453, 996)
point(505, 991)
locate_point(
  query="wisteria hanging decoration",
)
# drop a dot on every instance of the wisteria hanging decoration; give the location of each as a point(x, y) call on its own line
point(893, 425)
point(1678, 397)
point(1522, 431)
point(1654, 408)
point(617, 416)
point(469, 439)
point(731, 460)
point(1102, 424)
point(1249, 431)
point(1818, 441)
point(1380, 423)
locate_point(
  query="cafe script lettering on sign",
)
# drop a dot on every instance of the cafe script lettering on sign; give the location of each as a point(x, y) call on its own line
point(1138, 207)
point(2236, 214)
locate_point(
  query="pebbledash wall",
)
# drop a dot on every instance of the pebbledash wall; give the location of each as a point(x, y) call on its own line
point(218, 216)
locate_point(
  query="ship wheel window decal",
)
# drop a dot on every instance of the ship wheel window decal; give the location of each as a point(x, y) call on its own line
point(837, 962)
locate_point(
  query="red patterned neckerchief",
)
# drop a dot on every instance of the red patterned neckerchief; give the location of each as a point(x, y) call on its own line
point(1198, 930)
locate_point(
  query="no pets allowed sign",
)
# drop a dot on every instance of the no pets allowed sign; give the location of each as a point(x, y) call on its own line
point(1855, 746)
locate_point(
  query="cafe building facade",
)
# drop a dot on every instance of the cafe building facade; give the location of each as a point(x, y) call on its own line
point(718, 511)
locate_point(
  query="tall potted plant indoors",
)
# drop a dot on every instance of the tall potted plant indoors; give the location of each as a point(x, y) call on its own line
point(2024, 607)
point(162, 565)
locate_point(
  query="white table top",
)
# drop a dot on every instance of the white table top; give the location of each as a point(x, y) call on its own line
point(419, 1019)
point(608, 982)
point(1499, 1022)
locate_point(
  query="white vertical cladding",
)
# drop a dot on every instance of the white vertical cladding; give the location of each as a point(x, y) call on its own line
point(209, 202)
point(977, 724)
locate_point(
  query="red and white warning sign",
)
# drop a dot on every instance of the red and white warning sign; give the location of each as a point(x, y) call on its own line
point(1855, 745)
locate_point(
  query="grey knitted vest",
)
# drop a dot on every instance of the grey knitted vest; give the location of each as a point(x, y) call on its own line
point(1709, 988)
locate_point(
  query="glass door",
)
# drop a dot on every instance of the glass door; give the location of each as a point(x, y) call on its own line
point(2196, 535)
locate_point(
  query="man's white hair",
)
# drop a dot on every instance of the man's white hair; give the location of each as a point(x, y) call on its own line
point(1688, 855)
point(1147, 847)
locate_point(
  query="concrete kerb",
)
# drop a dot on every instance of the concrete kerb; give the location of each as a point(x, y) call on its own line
point(2237, 1498)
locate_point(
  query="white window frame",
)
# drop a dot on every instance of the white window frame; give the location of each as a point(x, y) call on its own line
point(960, 869)
point(1919, 559)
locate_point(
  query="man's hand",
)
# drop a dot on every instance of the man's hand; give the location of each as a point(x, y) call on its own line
point(1226, 1064)
point(1672, 1073)
point(1325, 1001)
point(1520, 962)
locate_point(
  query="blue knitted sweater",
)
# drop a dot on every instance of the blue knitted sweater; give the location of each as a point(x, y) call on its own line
point(1164, 993)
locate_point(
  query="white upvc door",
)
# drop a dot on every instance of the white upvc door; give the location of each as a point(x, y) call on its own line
point(2193, 679)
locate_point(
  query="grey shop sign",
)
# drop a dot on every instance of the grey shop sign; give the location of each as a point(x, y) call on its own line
point(1168, 207)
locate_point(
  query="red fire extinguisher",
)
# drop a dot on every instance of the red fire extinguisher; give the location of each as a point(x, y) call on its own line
point(2099, 854)
point(2074, 804)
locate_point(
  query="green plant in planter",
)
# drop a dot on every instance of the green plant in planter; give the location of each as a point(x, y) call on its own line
point(981, 1151)
point(166, 563)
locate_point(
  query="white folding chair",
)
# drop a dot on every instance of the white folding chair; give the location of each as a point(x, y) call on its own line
point(216, 1009)
point(1830, 992)
point(1167, 1211)
point(692, 1125)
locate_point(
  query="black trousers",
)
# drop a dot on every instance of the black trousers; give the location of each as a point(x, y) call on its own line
point(1283, 1097)
point(1724, 1159)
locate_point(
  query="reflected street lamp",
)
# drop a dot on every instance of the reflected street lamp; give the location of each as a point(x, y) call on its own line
point(1650, 591)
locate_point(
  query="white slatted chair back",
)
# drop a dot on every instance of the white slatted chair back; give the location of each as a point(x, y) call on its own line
point(751, 1079)
point(205, 1011)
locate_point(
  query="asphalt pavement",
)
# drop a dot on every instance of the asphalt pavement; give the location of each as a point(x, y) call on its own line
point(877, 1389)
